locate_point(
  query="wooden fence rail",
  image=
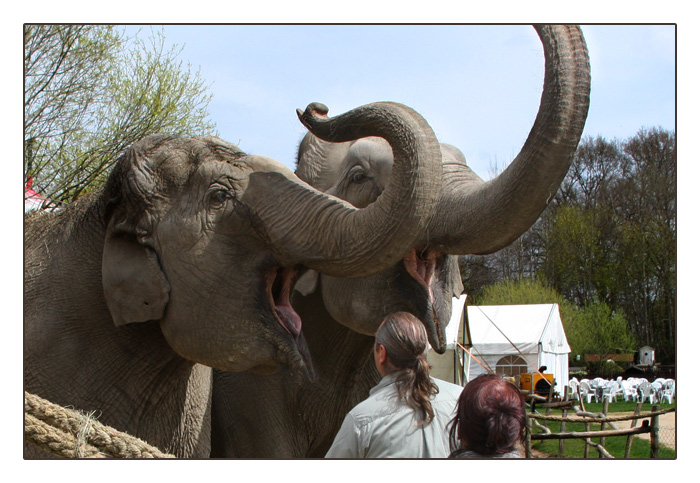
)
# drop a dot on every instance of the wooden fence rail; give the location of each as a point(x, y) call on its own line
point(650, 425)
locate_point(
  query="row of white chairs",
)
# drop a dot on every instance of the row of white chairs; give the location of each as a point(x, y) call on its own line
point(630, 389)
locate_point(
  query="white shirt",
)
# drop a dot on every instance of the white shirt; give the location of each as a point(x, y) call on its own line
point(381, 426)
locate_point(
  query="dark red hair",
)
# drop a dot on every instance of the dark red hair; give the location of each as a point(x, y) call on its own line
point(490, 416)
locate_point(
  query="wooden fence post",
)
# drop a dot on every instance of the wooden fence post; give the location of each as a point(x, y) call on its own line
point(655, 424)
point(564, 413)
point(528, 439)
point(606, 404)
point(628, 444)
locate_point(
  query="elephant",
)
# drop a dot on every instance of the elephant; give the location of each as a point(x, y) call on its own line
point(184, 261)
point(279, 417)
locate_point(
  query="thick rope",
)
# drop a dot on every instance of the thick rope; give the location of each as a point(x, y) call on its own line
point(72, 434)
point(587, 419)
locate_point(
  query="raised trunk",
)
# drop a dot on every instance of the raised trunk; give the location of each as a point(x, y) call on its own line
point(479, 218)
point(332, 236)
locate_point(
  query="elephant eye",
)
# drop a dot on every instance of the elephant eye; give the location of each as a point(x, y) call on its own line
point(219, 197)
point(359, 177)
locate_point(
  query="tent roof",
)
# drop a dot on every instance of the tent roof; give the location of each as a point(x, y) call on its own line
point(491, 327)
point(495, 329)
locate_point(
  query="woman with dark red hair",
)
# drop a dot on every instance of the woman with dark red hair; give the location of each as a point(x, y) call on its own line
point(490, 420)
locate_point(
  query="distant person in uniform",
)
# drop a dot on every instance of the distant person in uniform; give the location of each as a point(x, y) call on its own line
point(490, 420)
point(407, 414)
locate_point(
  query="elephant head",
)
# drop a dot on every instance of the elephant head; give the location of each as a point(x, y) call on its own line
point(473, 216)
point(207, 240)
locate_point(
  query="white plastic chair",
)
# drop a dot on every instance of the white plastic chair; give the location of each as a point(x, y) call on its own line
point(629, 392)
point(573, 385)
point(611, 390)
point(587, 391)
point(646, 391)
point(658, 389)
point(669, 391)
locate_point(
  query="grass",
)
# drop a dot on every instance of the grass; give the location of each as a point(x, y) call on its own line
point(574, 448)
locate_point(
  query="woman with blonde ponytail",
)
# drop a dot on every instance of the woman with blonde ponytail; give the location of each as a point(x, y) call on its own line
point(407, 413)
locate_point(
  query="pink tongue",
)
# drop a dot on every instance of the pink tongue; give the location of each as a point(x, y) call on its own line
point(290, 319)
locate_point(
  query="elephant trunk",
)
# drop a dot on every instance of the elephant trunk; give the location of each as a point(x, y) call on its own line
point(330, 235)
point(480, 218)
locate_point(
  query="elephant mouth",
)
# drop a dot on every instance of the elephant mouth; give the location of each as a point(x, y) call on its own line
point(423, 267)
point(295, 352)
point(280, 282)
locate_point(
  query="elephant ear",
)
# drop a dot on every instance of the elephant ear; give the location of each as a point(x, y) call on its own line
point(134, 285)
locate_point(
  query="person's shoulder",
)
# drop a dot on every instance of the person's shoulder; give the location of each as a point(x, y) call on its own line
point(447, 388)
point(368, 408)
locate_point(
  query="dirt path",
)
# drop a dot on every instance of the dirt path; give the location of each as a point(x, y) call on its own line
point(667, 430)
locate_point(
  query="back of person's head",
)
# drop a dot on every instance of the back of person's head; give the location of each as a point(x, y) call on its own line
point(490, 416)
point(406, 343)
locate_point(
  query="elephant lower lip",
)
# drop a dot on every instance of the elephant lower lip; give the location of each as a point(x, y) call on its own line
point(289, 319)
point(434, 331)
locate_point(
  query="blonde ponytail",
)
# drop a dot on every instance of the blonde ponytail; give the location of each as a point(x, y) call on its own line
point(406, 343)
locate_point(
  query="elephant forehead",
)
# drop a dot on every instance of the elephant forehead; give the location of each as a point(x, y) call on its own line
point(233, 175)
point(180, 157)
point(374, 154)
point(372, 148)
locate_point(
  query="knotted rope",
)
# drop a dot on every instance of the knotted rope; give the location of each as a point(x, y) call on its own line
point(73, 434)
point(599, 419)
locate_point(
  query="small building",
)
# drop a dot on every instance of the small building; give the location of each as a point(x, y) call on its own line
point(646, 356)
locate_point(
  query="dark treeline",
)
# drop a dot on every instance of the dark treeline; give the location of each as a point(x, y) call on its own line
point(607, 239)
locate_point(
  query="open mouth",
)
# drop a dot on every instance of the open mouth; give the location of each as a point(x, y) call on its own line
point(280, 282)
point(423, 267)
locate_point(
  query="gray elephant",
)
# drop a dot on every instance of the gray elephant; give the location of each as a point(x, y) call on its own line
point(278, 417)
point(185, 261)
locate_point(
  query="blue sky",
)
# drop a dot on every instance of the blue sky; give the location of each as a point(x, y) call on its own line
point(477, 85)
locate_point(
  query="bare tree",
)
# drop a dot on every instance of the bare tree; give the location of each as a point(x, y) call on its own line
point(90, 92)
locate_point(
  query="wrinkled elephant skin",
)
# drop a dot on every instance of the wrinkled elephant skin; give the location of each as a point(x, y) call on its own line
point(278, 417)
point(185, 261)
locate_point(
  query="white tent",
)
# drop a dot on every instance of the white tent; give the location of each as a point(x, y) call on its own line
point(505, 339)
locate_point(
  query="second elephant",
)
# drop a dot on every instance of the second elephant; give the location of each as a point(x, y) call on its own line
point(280, 418)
